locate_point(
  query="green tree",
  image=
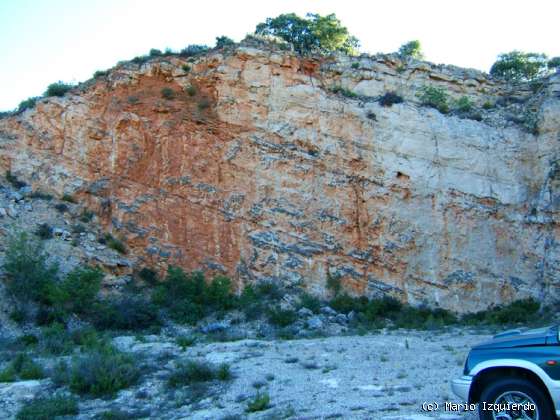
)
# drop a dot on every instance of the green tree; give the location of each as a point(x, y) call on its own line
point(224, 41)
point(29, 276)
point(554, 63)
point(313, 33)
point(412, 49)
point(519, 66)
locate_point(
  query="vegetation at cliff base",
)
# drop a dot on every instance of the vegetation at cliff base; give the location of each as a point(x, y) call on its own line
point(314, 33)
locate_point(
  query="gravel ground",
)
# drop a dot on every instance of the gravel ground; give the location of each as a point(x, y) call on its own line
point(388, 375)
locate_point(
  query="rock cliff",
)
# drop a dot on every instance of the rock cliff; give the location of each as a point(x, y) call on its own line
point(248, 162)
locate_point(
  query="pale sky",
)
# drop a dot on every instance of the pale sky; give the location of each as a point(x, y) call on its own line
point(43, 41)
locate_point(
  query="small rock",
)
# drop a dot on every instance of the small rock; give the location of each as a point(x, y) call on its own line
point(82, 234)
point(314, 323)
point(57, 232)
point(91, 237)
point(341, 319)
point(28, 207)
point(16, 196)
point(351, 316)
point(101, 247)
point(25, 190)
point(304, 312)
point(12, 212)
point(327, 310)
point(215, 326)
point(3, 212)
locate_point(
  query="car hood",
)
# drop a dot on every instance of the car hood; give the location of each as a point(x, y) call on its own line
point(521, 338)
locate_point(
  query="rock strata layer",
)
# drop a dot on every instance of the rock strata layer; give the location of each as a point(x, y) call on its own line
point(267, 166)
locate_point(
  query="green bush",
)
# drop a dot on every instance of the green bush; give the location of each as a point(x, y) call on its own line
point(281, 317)
point(167, 93)
point(389, 99)
point(434, 97)
point(100, 73)
point(148, 275)
point(132, 313)
point(86, 216)
point(44, 231)
point(57, 89)
point(261, 402)
point(193, 50)
point(48, 408)
point(189, 298)
point(464, 105)
point(203, 104)
point(14, 181)
point(488, 105)
point(141, 59)
point(344, 92)
point(55, 340)
point(154, 52)
point(79, 289)
point(28, 103)
point(28, 275)
point(39, 195)
point(184, 341)
point(191, 90)
point(334, 284)
point(23, 368)
point(115, 243)
point(521, 311)
point(68, 198)
point(186, 68)
point(314, 33)
point(101, 372)
point(224, 42)
point(193, 372)
point(518, 66)
point(411, 49)
point(554, 63)
point(355, 65)
point(310, 302)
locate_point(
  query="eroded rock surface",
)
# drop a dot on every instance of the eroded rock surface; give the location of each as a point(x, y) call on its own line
point(256, 169)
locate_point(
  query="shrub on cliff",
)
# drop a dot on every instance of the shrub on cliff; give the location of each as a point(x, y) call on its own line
point(518, 66)
point(554, 63)
point(57, 89)
point(389, 99)
point(224, 42)
point(434, 97)
point(28, 103)
point(193, 49)
point(314, 33)
point(411, 49)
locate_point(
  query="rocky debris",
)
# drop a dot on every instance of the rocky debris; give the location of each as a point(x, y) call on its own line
point(383, 376)
point(215, 327)
point(3, 212)
point(314, 323)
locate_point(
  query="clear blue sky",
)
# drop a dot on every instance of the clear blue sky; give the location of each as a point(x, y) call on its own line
point(43, 41)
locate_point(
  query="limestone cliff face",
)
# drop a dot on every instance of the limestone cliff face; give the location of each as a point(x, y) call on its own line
point(257, 169)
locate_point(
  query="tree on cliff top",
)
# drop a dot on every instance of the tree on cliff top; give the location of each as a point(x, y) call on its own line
point(314, 33)
point(412, 49)
point(518, 66)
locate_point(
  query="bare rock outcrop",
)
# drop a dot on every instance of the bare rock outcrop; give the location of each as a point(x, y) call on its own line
point(254, 167)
